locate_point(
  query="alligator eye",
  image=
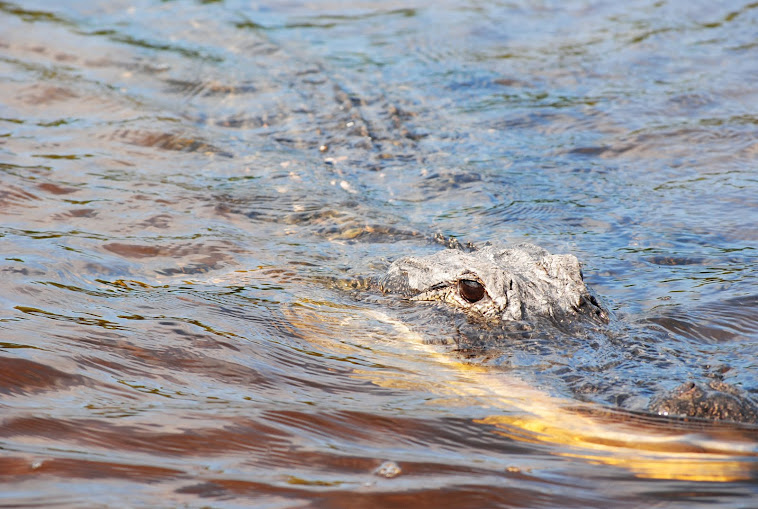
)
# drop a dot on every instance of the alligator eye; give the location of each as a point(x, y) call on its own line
point(472, 291)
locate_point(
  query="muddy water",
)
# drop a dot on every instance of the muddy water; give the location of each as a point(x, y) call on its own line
point(182, 181)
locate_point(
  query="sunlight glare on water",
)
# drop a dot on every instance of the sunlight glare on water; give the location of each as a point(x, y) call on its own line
point(190, 191)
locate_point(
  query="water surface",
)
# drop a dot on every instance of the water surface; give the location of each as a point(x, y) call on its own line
point(181, 181)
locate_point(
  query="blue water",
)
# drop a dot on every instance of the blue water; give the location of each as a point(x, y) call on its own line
point(180, 180)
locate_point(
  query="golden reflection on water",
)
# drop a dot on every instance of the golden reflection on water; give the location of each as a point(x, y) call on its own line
point(144, 146)
point(647, 446)
point(645, 453)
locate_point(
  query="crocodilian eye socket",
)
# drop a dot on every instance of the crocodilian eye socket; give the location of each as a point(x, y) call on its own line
point(472, 291)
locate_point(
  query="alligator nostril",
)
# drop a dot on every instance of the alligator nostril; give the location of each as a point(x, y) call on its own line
point(471, 291)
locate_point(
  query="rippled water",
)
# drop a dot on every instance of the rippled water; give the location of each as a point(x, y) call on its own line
point(182, 182)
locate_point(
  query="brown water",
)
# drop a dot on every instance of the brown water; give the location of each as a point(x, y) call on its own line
point(181, 182)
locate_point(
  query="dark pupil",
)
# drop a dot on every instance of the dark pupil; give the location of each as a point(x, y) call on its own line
point(471, 290)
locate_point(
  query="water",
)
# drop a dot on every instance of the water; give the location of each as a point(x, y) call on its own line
point(182, 180)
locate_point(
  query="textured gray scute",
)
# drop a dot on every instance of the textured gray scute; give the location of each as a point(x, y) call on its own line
point(716, 400)
point(521, 282)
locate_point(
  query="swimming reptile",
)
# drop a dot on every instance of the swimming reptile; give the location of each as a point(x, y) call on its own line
point(500, 285)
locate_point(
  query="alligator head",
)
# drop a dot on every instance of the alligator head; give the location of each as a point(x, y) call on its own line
point(505, 286)
point(502, 283)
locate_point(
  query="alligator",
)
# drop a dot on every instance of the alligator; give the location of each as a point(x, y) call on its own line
point(501, 291)
point(497, 282)
point(497, 285)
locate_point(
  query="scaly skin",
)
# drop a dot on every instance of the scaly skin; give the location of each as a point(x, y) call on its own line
point(497, 282)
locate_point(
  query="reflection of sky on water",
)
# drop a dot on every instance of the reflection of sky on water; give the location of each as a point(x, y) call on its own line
point(178, 180)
